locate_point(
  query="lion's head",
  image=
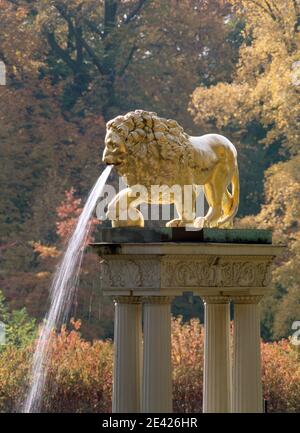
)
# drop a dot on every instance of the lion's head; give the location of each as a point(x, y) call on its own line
point(140, 144)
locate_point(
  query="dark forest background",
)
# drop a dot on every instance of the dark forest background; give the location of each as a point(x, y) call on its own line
point(231, 67)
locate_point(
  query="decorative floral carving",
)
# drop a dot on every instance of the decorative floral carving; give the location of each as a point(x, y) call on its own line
point(129, 273)
point(185, 272)
point(222, 272)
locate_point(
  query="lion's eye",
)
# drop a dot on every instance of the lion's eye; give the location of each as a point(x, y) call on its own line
point(110, 144)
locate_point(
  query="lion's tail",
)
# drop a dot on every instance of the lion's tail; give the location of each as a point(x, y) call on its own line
point(234, 198)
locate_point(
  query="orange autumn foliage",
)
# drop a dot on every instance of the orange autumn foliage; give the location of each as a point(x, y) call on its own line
point(79, 379)
point(80, 374)
point(187, 360)
point(281, 376)
point(68, 212)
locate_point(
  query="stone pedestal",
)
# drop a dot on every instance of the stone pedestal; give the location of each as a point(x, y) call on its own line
point(127, 356)
point(247, 388)
point(217, 371)
point(219, 266)
point(157, 380)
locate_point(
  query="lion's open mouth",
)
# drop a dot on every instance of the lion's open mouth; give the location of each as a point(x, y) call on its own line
point(110, 161)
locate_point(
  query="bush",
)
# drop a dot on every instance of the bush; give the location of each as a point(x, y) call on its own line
point(187, 360)
point(14, 364)
point(80, 373)
point(281, 376)
point(79, 379)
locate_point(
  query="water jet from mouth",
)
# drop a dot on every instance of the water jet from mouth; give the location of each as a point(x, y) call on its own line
point(62, 291)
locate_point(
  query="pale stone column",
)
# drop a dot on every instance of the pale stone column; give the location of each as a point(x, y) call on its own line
point(157, 372)
point(247, 387)
point(217, 371)
point(128, 355)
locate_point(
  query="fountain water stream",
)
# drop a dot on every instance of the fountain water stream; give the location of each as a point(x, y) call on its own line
point(62, 290)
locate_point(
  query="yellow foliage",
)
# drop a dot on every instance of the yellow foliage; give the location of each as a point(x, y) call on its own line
point(45, 251)
point(42, 275)
point(266, 85)
point(281, 213)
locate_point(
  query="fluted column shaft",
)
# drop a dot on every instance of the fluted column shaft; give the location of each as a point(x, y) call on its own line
point(217, 377)
point(157, 380)
point(127, 355)
point(247, 386)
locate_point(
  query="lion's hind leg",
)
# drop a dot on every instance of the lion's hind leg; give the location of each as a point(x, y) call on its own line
point(214, 193)
point(227, 204)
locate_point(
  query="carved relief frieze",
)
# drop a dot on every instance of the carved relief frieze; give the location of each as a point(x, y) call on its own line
point(185, 271)
point(208, 271)
point(129, 273)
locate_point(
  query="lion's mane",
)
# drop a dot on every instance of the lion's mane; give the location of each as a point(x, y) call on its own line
point(156, 147)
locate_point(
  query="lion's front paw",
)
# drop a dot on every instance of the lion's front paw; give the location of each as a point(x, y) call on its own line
point(200, 223)
point(136, 221)
point(127, 223)
point(177, 222)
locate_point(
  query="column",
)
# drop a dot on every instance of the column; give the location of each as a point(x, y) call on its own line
point(217, 377)
point(157, 379)
point(247, 387)
point(127, 357)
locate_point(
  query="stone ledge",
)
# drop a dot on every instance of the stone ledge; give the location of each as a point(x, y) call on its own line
point(186, 248)
point(181, 234)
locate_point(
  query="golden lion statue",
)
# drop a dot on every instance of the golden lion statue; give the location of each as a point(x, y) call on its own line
point(152, 151)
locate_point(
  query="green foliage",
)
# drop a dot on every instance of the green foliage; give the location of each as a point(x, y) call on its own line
point(4, 314)
point(20, 328)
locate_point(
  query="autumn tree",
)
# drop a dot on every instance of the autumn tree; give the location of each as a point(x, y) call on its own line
point(70, 67)
point(115, 55)
point(259, 109)
point(281, 213)
point(73, 64)
point(43, 152)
